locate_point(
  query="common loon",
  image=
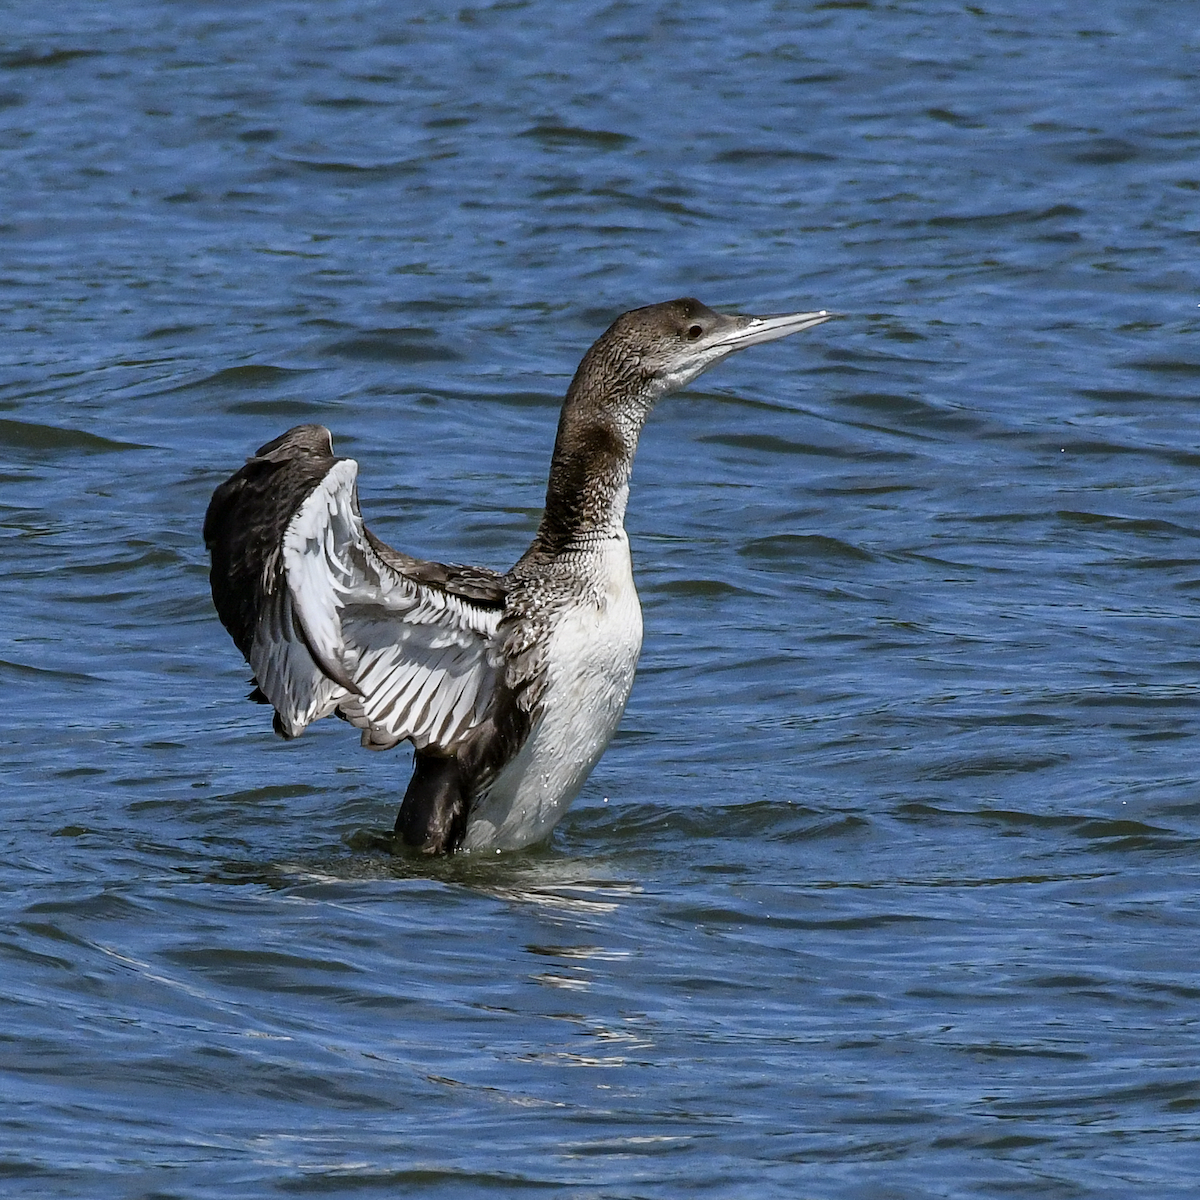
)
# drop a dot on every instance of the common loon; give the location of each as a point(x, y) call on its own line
point(509, 686)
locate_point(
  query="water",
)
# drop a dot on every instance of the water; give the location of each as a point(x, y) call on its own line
point(887, 887)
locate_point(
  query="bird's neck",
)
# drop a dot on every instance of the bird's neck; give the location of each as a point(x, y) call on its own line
point(606, 406)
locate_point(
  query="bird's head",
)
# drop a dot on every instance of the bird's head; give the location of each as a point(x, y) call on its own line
point(670, 344)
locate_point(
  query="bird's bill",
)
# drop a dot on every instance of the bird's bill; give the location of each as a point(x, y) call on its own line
point(750, 331)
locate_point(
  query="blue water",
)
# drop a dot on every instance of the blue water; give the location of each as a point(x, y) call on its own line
point(887, 888)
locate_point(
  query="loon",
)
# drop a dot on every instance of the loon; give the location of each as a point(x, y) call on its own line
point(509, 686)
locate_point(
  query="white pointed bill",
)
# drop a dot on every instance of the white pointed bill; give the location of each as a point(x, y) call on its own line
point(751, 331)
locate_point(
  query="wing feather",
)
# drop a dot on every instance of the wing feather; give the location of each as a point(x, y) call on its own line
point(413, 657)
point(332, 619)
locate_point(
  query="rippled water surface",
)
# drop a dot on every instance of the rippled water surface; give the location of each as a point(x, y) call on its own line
point(887, 887)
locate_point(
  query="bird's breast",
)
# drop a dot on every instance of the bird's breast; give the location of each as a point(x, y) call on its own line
point(592, 643)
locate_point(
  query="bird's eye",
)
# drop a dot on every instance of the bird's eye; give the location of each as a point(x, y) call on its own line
point(694, 332)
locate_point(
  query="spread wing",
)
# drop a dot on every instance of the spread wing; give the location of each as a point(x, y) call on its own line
point(331, 619)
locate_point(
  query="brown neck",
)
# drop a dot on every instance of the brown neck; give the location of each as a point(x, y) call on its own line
point(606, 406)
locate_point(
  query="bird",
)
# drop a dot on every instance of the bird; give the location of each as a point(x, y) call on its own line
point(508, 685)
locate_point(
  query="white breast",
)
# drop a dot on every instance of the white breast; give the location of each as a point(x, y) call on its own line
point(592, 654)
